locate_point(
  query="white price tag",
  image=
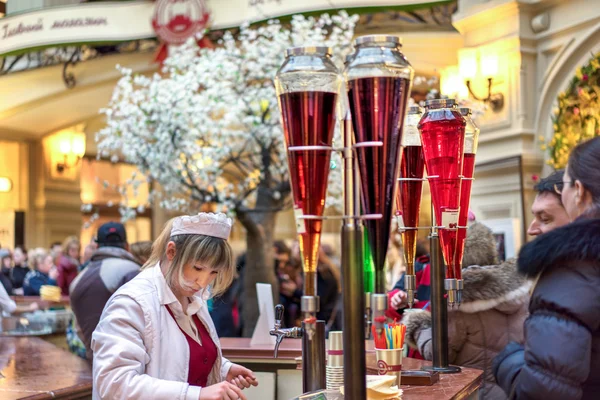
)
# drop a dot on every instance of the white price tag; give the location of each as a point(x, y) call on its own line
point(469, 144)
point(400, 222)
point(300, 226)
point(450, 219)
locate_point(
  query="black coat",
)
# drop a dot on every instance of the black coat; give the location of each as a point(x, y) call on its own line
point(561, 356)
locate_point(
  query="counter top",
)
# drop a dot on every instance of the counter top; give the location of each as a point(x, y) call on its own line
point(34, 369)
point(289, 350)
point(450, 386)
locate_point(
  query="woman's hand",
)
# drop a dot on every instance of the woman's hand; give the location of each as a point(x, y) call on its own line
point(241, 377)
point(221, 391)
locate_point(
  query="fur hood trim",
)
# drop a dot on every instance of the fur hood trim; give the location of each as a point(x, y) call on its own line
point(493, 286)
point(567, 245)
point(480, 246)
point(415, 321)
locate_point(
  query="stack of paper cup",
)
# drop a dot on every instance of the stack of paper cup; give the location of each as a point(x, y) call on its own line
point(334, 371)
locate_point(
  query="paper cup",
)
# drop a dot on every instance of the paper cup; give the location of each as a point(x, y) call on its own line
point(335, 352)
point(389, 362)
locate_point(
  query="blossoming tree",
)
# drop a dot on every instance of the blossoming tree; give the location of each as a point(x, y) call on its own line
point(207, 130)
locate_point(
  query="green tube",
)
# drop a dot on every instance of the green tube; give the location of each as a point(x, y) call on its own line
point(368, 265)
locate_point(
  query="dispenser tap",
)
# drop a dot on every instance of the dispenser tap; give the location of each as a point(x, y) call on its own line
point(280, 332)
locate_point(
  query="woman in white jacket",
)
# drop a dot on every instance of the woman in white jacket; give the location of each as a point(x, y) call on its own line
point(155, 339)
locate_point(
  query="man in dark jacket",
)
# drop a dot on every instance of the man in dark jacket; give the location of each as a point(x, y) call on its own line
point(560, 357)
point(110, 268)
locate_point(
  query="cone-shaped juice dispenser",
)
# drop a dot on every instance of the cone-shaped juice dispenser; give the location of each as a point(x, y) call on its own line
point(379, 79)
point(442, 136)
point(408, 199)
point(471, 141)
point(307, 87)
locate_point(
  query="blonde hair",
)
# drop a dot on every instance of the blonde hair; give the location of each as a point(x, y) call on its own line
point(68, 242)
point(37, 256)
point(211, 251)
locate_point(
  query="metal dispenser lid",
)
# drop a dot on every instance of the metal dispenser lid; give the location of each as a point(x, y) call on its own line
point(464, 111)
point(415, 110)
point(440, 103)
point(378, 39)
point(309, 50)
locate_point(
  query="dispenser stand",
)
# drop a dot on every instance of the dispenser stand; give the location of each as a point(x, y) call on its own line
point(355, 368)
point(439, 310)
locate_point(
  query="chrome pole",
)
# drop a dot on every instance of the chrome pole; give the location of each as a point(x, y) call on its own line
point(355, 369)
point(439, 305)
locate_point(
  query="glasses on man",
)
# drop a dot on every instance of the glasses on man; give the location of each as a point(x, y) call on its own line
point(559, 187)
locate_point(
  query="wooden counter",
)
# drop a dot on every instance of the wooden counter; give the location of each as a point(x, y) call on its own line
point(34, 369)
point(450, 386)
point(64, 302)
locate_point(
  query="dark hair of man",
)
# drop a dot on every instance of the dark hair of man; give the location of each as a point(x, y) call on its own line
point(548, 184)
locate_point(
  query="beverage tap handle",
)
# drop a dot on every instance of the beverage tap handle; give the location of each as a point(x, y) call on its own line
point(277, 343)
point(278, 316)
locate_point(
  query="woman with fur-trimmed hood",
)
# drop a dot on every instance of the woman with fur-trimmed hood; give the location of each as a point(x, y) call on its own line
point(494, 307)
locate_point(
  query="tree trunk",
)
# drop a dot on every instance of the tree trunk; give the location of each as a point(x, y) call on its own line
point(259, 267)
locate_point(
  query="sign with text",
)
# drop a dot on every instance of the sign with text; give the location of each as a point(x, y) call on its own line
point(83, 23)
point(109, 22)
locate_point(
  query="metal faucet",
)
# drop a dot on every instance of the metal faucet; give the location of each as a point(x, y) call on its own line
point(280, 332)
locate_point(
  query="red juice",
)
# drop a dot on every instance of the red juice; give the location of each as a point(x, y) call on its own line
point(309, 120)
point(442, 134)
point(412, 166)
point(465, 199)
point(378, 105)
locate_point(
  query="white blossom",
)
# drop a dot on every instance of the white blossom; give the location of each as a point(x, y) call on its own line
point(201, 127)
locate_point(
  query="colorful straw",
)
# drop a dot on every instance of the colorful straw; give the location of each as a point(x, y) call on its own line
point(391, 337)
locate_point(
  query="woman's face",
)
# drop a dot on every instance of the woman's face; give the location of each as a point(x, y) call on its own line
point(73, 251)
point(196, 277)
point(46, 264)
point(7, 262)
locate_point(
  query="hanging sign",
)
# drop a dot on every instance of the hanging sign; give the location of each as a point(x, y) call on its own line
point(171, 20)
point(175, 21)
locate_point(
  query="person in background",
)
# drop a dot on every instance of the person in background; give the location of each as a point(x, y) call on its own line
point(289, 292)
point(111, 266)
point(141, 251)
point(560, 358)
point(68, 263)
point(547, 208)
point(328, 290)
point(397, 296)
point(395, 266)
point(19, 270)
point(56, 247)
point(87, 254)
point(44, 272)
point(156, 339)
point(492, 312)
point(6, 264)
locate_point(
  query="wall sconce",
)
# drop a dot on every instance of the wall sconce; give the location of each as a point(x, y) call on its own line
point(72, 148)
point(474, 63)
point(6, 184)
